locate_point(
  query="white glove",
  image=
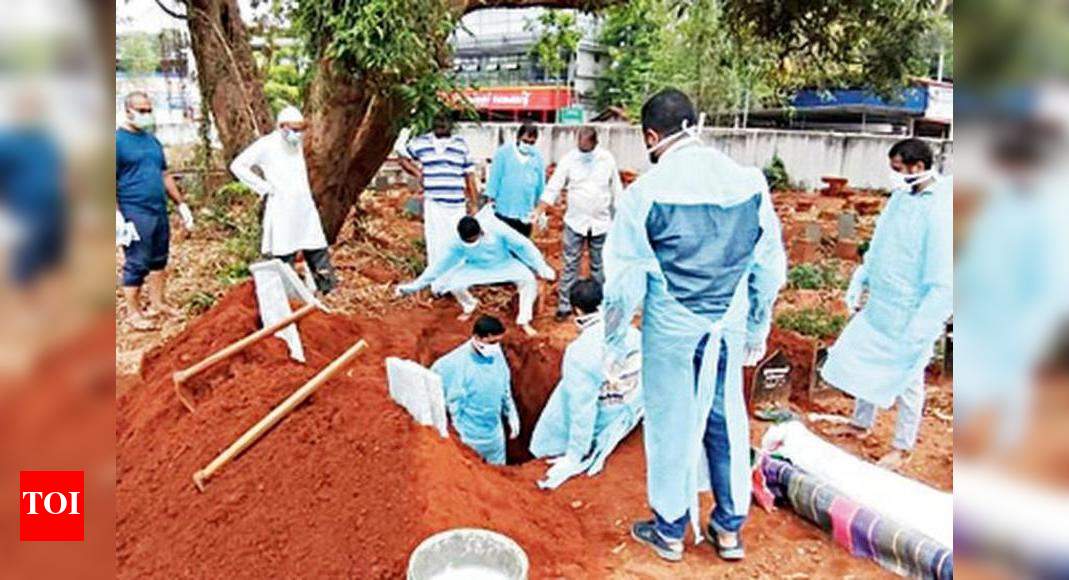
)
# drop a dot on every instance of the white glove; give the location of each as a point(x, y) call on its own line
point(548, 274)
point(404, 289)
point(563, 468)
point(541, 221)
point(754, 354)
point(514, 425)
point(855, 289)
point(187, 215)
point(125, 232)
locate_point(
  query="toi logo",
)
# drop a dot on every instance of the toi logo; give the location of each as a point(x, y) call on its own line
point(51, 506)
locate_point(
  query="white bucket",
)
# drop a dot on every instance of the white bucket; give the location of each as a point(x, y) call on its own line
point(468, 554)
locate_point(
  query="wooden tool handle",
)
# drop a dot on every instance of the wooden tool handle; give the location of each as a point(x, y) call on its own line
point(276, 415)
point(230, 350)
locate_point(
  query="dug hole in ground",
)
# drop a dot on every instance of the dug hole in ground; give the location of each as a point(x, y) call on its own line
point(348, 485)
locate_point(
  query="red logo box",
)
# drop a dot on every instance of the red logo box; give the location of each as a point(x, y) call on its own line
point(51, 506)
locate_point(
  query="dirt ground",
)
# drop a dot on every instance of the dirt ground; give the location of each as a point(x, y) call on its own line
point(348, 485)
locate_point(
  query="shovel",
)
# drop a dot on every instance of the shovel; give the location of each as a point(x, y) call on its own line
point(276, 284)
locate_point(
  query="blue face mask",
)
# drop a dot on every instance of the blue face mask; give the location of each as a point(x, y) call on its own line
point(525, 148)
point(586, 157)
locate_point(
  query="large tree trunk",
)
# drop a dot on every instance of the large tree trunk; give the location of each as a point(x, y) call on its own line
point(351, 133)
point(227, 73)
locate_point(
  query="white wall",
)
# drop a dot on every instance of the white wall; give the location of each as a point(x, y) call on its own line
point(808, 155)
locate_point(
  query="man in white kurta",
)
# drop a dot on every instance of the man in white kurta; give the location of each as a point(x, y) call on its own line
point(593, 181)
point(291, 222)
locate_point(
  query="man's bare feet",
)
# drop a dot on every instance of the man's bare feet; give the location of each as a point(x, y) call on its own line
point(139, 322)
point(529, 330)
point(163, 310)
point(894, 460)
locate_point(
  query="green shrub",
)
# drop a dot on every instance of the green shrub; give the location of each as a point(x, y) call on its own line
point(200, 302)
point(822, 276)
point(776, 174)
point(815, 322)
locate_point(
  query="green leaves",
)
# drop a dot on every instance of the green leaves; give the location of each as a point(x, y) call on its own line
point(138, 53)
point(385, 42)
point(393, 47)
point(558, 42)
point(815, 322)
point(737, 55)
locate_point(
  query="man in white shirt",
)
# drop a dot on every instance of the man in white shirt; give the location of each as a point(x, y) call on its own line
point(593, 182)
point(291, 221)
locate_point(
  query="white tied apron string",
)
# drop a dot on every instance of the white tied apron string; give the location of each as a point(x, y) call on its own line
point(704, 399)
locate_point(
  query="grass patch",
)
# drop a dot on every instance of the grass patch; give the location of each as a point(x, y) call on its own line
point(823, 276)
point(815, 322)
point(200, 303)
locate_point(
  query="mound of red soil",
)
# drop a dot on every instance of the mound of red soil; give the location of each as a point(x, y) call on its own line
point(347, 485)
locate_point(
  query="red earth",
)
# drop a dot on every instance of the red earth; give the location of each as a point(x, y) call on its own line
point(347, 485)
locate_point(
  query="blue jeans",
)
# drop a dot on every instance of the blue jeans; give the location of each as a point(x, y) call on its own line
point(716, 443)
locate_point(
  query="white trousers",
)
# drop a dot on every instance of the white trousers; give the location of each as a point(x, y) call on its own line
point(527, 288)
point(908, 422)
point(439, 229)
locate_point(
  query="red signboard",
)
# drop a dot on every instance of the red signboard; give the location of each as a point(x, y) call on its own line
point(519, 98)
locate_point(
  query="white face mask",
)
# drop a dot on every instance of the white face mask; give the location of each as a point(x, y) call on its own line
point(899, 181)
point(587, 320)
point(685, 130)
point(143, 121)
point(472, 245)
point(292, 137)
point(485, 350)
point(587, 157)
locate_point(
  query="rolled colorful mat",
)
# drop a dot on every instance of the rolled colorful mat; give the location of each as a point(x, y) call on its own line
point(859, 529)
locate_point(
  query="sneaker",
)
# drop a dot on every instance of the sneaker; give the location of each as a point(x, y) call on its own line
point(729, 553)
point(561, 316)
point(646, 533)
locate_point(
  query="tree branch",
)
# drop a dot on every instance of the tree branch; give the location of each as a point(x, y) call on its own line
point(170, 12)
point(585, 5)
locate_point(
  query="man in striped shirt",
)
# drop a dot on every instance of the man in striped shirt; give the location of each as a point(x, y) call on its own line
point(442, 164)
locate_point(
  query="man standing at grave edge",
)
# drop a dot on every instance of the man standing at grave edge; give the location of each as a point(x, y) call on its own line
point(908, 274)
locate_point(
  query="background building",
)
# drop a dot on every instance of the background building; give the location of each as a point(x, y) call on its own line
point(493, 57)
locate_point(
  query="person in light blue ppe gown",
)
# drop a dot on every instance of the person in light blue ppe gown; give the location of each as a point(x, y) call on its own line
point(588, 413)
point(478, 392)
point(1011, 275)
point(908, 273)
point(697, 243)
point(486, 251)
point(517, 180)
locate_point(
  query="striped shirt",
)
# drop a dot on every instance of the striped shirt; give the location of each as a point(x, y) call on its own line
point(444, 165)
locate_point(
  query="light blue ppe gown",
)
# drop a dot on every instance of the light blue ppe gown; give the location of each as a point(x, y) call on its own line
point(501, 255)
point(697, 242)
point(1012, 278)
point(515, 185)
point(583, 420)
point(478, 395)
point(909, 274)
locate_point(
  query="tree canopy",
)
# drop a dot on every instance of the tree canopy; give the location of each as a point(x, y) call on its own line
point(557, 42)
point(727, 53)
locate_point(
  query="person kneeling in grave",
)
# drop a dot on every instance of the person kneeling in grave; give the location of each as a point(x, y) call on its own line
point(592, 409)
